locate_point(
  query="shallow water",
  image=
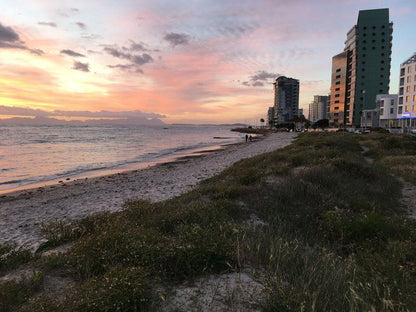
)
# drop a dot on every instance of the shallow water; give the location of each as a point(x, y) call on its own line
point(30, 155)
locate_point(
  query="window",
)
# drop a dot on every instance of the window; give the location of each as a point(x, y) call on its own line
point(336, 114)
point(414, 108)
point(392, 110)
point(407, 99)
point(338, 76)
point(401, 90)
point(381, 111)
point(408, 89)
point(400, 110)
point(402, 81)
point(402, 72)
point(408, 69)
point(391, 102)
point(336, 102)
point(414, 88)
point(407, 108)
point(336, 89)
point(409, 78)
point(336, 108)
point(401, 100)
point(338, 82)
point(337, 95)
point(382, 103)
point(339, 69)
point(414, 97)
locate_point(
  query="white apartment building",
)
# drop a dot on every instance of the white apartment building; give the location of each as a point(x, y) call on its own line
point(407, 92)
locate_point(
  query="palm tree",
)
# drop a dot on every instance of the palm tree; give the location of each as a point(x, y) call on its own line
point(262, 122)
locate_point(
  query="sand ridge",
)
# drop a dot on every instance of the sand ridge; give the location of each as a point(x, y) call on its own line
point(22, 212)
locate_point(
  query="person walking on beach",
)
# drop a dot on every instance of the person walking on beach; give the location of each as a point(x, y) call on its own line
point(246, 138)
point(250, 138)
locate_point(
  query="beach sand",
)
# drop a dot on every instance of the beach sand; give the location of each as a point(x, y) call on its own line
point(22, 212)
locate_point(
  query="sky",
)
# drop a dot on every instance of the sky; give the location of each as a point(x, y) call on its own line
point(201, 61)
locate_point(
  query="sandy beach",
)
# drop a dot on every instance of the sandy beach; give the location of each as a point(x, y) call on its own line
point(22, 212)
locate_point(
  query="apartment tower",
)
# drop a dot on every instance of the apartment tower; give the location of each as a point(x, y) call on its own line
point(407, 88)
point(363, 70)
point(286, 99)
point(318, 109)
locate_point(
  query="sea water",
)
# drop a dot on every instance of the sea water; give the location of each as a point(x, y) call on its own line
point(32, 155)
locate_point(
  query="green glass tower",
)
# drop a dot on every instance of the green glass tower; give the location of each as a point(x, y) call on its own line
point(368, 51)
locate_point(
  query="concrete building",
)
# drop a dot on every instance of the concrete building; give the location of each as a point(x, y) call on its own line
point(384, 115)
point(286, 99)
point(407, 92)
point(318, 109)
point(366, 65)
point(338, 90)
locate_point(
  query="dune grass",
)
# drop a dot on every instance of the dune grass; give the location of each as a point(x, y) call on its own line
point(333, 235)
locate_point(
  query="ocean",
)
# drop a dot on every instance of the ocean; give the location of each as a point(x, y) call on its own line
point(30, 156)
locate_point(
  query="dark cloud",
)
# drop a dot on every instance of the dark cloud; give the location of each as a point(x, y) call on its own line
point(9, 39)
point(260, 78)
point(7, 34)
point(258, 84)
point(142, 59)
point(127, 67)
point(50, 24)
point(127, 53)
point(81, 66)
point(72, 53)
point(263, 76)
point(175, 39)
point(20, 111)
point(81, 25)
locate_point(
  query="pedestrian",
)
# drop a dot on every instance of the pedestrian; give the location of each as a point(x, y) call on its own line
point(246, 138)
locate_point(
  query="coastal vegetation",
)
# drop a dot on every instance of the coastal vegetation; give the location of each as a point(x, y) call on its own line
point(319, 224)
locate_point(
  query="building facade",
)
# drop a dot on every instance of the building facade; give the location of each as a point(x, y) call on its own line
point(318, 109)
point(366, 64)
point(407, 88)
point(286, 99)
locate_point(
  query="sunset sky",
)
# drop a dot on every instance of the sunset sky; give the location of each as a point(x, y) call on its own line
point(206, 61)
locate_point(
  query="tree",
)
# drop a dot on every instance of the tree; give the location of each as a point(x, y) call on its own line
point(321, 123)
point(262, 122)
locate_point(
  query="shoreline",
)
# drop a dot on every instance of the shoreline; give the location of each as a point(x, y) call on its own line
point(23, 211)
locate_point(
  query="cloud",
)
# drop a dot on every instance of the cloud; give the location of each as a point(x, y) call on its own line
point(127, 67)
point(7, 34)
point(72, 53)
point(175, 39)
point(81, 25)
point(136, 60)
point(28, 112)
point(9, 39)
point(141, 59)
point(260, 78)
point(81, 66)
point(50, 24)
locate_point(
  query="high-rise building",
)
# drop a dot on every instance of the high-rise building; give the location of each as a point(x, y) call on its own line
point(407, 88)
point(286, 99)
point(318, 109)
point(366, 65)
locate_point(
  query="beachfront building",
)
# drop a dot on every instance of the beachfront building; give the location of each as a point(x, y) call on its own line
point(286, 99)
point(384, 115)
point(407, 93)
point(362, 70)
point(318, 109)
